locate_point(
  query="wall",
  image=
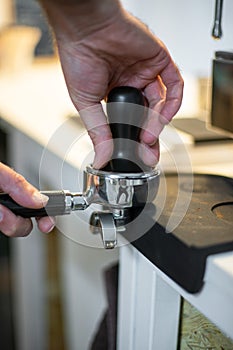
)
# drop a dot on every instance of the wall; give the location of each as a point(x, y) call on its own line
point(185, 27)
point(6, 13)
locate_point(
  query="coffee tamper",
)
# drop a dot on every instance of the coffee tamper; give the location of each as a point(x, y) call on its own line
point(124, 183)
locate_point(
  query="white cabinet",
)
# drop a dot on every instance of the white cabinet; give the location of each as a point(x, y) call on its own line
point(81, 267)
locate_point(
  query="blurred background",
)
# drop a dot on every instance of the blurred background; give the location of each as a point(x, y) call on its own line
point(40, 280)
point(27, 13)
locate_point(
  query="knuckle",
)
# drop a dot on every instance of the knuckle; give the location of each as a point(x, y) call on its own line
point(12, 225)
point(9, 230)
point(19, 180)
point(23, 227)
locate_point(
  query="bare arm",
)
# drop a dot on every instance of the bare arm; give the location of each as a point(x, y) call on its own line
point(102, 46)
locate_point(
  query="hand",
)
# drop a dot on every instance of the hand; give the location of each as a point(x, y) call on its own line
point(24, 194)
point(104, 47)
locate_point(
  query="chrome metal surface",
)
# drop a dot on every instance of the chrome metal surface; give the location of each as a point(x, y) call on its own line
point(116, 192)
point(68, 202)
point(104, 223)
point(120, 190)
point(217, 28)
point(79, 201)
point(75, 201)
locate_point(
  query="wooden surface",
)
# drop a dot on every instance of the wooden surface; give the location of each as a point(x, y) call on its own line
point(197, 332)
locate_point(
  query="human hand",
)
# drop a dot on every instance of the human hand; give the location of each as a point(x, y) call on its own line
point(101, 47)
point(26, 195)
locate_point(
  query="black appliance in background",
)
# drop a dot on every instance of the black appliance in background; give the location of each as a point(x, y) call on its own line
point(6, 312)
point(29, 13)
point(222, 91)
point(220, 124)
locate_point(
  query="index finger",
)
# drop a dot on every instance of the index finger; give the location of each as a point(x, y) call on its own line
point(20, 189)
point(99, 131)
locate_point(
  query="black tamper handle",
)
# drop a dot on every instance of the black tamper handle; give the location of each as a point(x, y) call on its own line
point(56, 205)
point(126, 114)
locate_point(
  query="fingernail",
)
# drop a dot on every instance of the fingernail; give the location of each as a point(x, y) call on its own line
point(50, 229)
point(50, 225)
point(149, 139)
point(152, 143)
point(40, 198)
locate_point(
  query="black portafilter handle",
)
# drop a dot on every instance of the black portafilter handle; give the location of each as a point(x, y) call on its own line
point(126, 113)
point(56, 205)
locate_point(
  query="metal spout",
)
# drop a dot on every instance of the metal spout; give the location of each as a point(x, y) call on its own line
point(217, 28)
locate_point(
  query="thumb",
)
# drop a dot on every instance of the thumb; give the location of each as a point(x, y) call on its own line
point(19, 189)
point(99, 131)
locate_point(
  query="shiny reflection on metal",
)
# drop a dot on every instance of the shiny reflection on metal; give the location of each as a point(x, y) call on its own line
point(116, 192)
point(119, 213)
point(75, 201)
point(131, 178)
point(79, 202)
point(68, 202)
point(95, 223)
point(119, 190)
point(104, 223)
point(217, 27)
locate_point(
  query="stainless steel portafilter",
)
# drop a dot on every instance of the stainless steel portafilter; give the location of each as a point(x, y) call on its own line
point(125, 182)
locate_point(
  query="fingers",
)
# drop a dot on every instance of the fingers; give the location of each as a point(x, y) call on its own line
point(149, 154)
point(164, 95)
point(99, 132)
point(12, 225)
point(16, 226)
point(19, 189)
point(26, 195)
point(154, 124)
point(173, 81)
point(155, 93)
point(46, 224)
